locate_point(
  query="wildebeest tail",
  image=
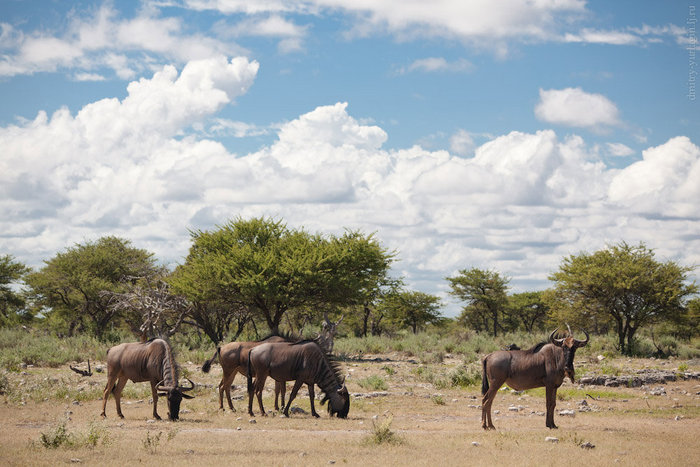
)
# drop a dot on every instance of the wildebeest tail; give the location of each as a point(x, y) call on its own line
point(207, 364)
point(484, 379)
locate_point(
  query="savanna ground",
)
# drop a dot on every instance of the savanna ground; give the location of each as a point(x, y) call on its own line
point(406, 409)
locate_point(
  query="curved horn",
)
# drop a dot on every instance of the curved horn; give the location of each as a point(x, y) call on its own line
point(569, 328)
point(160, 387)
point(557, 342)
point(183, 389)
point(582, 343)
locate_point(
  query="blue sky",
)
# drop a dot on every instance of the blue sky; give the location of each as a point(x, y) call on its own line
point(496, 135)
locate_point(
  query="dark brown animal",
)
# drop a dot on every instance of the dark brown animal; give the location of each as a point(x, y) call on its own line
point(145, 361)
point(233, 358)
point(303, 362)
point(546, 364)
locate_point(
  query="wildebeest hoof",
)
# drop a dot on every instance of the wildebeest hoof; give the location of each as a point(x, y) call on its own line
point(316, 415)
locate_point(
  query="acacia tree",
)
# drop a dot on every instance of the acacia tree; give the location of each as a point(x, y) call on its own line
point(413, 309)
point(11, 302)
point(526, 310)
point(262, 266)
point(625, 284)
point(69, 286)
point(485, 294)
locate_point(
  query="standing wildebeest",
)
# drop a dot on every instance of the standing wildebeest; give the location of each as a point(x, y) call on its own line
point(546, 364)
point(145, 361)
point(301, 362)
point(233, 358)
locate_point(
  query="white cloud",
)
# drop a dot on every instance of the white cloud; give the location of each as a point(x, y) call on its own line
point(474, 22)
point(92, 42)
point(619, 149)
point(664, 182)
point(462, 143)
point(577, 108)
point(437, 64)
point(524, 200)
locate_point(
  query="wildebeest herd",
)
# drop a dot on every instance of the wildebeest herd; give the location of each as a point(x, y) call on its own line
point(306, 362)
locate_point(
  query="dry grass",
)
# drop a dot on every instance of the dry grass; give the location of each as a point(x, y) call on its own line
point(627, 425)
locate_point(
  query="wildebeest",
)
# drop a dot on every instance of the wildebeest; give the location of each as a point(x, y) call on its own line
point(545, 364)
point(151, 361)
point(303, 362)
point(233, 358)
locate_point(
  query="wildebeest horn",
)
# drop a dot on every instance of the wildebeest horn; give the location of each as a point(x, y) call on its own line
point(160, 387)
point(582, 343)
point(569, 328)
point(183, 389)
point(557, 342)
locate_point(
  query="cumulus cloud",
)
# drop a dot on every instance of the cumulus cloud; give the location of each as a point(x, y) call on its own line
point(619, 149)
point(577, 108)
point(132, 168)
point(664, 182)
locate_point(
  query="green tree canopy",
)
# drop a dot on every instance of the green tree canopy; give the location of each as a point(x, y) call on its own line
point(527, 311)
point(11, 302)
point(269, 269)
point(486, 297)
point(69, 287)
point(622, 283)
point(413, 309)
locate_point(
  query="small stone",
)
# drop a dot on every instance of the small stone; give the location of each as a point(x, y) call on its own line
point(678, 417)
point(238, 428)
point(476, 444)
point(76, 402)
point(331, 462)
point(600, 358)
point(75, 460)
point(567, 413)
point(252, 421)
point(150, 421)
point(551, 439)
point(587, 445)
point(512, 408)
point(189, 451)
point(302, 454)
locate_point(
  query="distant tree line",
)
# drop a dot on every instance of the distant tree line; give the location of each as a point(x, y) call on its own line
point(257, 276)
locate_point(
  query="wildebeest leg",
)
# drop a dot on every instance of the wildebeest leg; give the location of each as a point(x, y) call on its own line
point(486, 402)
point(280, 389)
point(551, 397)
point(311, 397)
point(225, 386)
point(118, 394)
point(292, 395)
point(259, 386)
point(154, 393)
point(111, 380)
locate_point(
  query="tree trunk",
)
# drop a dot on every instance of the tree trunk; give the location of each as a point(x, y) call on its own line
point(365, 320)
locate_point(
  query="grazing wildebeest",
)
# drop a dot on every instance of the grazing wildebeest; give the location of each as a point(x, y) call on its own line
point(303, 362)
point(545, 364)
point(233, 358)
point(151, 361)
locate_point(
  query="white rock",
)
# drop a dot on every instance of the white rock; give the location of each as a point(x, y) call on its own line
point(551, 439)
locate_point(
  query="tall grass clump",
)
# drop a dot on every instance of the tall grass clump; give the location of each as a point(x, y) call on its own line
point(381, 433)
point(59, 436)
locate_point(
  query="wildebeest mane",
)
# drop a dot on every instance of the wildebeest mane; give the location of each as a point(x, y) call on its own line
point(332, 362)
point(536, 348)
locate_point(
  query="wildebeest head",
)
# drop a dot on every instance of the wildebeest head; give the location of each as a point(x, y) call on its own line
point(569, 345)
point(174, 396)
point(339, 402)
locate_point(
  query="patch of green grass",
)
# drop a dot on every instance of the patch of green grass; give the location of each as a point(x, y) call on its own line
point(60, 437)
point(438, 400)
point(373, 382)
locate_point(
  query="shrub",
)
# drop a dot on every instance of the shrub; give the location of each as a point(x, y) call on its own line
point(374, 382)
point(381, 433)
